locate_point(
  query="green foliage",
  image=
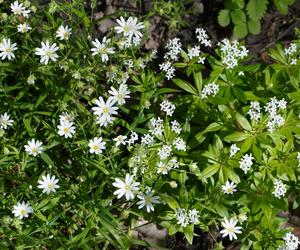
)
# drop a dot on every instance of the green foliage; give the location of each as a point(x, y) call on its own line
point(166, 151)
point(246, 15)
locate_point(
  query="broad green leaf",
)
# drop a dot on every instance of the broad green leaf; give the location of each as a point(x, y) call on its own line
point(185, 86)
point(237, 136)
point(238, 17)
point(240, 30)
point(210, 171)
point(254, 26)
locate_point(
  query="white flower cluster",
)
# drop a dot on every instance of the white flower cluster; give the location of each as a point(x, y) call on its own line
point(186, 217)
point(168, 69)
point(233, 150)
point(194, 52)
point(254, 111)
point(176, 127)
point(5, 121)
point(275, 119)
point(291, 242)
point(167, 107)
point(231, 52)
point(174, 48)
point(209, 89)
point(203, 37)
point(48, 184)
point(147, 139)
point(156, 126)
point(133, 138)
point(66, 125)
point(163, 167)
point(291, 53)
point(280, 188)
point(246, 162)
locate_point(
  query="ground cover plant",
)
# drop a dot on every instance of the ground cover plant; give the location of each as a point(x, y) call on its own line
point(97, 132)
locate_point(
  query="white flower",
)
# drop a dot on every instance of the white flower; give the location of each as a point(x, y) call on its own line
point(193, 216)
point(96, 145)
point(105, 109)
point(167, 107)
point(65, 117)
point(63, 33)
point(173, 49)
point(127, 188)
point(147, 139)
point(176, 127)
point(147, 200)
point(280, 188)
point(119, 95)
point(66, 129)
point(47, 52)
point(7, 49)
point(18, 9)
point(254, 111)
point(104, 121)
point(179, 144)
point(164, 152)
point(229, 187)
point(291, 241)
point(182, 217)
point(209, 89)
point(120, 139)
point(48, 184)
point(162, 168)
point(5, 121)
point(194, 52)
point(156, 126)
point(168, 69)
point(230, 228)
point(231, 52)
point(246, 163)
point(102, 49)
point(233, 150)
point(203, 37)
point(298, 158)
point(129, 27)
point(133, 137)
point(291, 49)
point(22, 209)
point(34, 147)
point(23, 27)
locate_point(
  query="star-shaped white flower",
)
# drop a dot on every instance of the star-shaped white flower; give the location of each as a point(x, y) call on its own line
point(127, 188)
point(48, 184)
point(7, 49)
point(47, 52)
point(22, 210)
point(34, 147)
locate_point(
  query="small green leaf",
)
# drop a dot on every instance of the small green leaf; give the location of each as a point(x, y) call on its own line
point(238, 17)
point(210, 171)
point(243, 122)
point(236, 136)
point(224, 18)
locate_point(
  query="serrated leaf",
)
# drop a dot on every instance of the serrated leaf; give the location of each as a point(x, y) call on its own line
point(238, 17)
point(224, 18)
point(254, 26)
point(240, 30)
point(256, 9)
point(281, 6)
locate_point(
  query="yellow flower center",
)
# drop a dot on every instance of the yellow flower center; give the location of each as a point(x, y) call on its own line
point(23, 212)
point(95, 147)
point(66, 130)
point(34, 150)
point(127, 187)
point(105, 110)
point(49, 185)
